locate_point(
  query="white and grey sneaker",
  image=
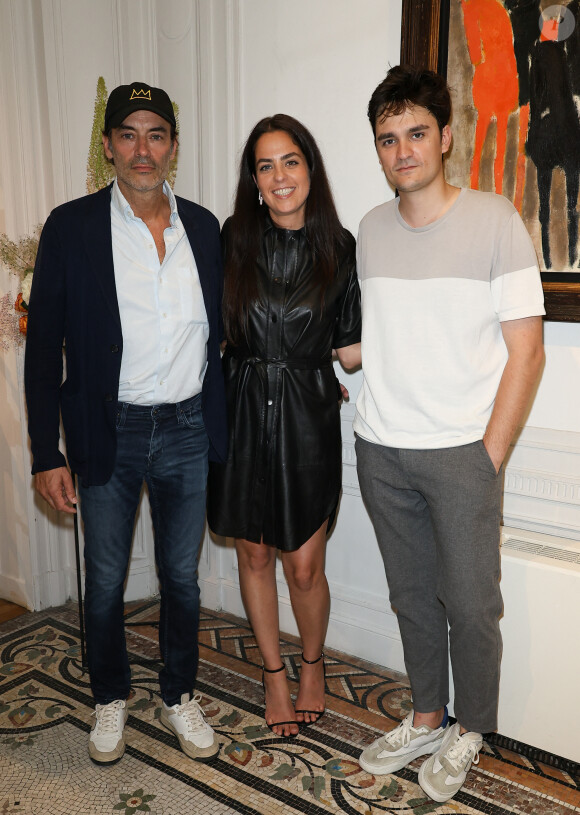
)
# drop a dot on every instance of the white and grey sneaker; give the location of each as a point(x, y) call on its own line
point(443, 775)
point(186, 720)
point(107, 742)
point(402, 745)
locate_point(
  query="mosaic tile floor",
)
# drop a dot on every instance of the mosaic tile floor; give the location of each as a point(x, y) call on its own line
point(45, 716)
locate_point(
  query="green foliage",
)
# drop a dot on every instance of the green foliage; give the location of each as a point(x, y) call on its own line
point(390, 790)
point(142, 705)
point(422, 806)
point(231, 720)
point(99, 171)
point(285, 772)
point(256, 731)
point(28, 690)
point(19, 256)
point(314, 785)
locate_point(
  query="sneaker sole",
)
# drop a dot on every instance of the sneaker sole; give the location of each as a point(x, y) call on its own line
point(113, 756)
point(196, 753)
point(391, 765)
point(434, 794)
point(104, 759)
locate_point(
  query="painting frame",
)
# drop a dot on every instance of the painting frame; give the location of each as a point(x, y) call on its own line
point(424, 42)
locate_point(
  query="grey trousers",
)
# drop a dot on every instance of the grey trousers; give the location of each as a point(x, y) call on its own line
point(436, 515)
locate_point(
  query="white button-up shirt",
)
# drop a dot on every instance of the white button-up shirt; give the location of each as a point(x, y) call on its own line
point(163, 316)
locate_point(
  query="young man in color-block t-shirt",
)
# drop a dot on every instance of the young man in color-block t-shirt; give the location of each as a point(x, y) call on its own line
point(451, 350)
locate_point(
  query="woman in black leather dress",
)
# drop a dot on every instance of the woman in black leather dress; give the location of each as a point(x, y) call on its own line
point(291, 297)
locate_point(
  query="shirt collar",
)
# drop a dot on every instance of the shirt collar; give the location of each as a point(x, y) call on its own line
point(123, 207)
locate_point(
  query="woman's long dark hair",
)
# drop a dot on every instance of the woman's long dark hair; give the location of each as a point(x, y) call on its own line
point(245, 228)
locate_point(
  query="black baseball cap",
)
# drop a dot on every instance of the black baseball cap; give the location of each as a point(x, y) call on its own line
point(126, 99)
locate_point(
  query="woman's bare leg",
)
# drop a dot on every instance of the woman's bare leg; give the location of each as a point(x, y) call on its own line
point(310, 598)
point(257, 569)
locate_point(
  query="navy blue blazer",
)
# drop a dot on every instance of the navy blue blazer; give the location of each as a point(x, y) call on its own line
point(74, 302)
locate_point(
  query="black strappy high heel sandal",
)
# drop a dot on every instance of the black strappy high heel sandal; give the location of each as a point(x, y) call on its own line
point(277, 724)
point(318, 713)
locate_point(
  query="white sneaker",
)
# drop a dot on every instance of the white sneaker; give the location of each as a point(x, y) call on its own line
point(442, 775)
point(400, 746)
point(107, 742)
point(196, 738)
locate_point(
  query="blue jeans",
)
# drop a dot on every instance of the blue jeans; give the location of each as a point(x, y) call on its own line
point(167, 447)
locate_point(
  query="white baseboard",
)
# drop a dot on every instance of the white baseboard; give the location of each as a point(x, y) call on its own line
point(356, 630)
point(211, 594)
point(50, 589)
point(13, 589)
point(373, 644)
point(142, 582)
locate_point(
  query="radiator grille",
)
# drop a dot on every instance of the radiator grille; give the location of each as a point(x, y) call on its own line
point(541, 550)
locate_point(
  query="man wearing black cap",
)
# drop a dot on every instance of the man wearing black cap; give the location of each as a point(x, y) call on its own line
point(129, 280)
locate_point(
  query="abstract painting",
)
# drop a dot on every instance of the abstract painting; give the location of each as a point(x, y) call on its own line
point(514, 68)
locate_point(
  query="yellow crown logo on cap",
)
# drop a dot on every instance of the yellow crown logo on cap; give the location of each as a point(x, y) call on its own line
point(141, 95)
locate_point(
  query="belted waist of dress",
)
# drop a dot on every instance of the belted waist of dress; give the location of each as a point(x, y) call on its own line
point(307, 363)
point(259, 366)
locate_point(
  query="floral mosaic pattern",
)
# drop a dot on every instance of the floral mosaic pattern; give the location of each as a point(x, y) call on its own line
point(29, 704)
point(134, 802)
point(304, 767)
point(19, 740)
point(45, 716)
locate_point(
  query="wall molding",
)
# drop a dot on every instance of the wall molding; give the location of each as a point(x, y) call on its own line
point(542, 485)
point(542, 438)
point(544, 499)
point(134, 31)
point(57, 163)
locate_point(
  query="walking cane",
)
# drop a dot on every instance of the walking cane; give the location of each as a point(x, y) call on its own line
point(79, 582)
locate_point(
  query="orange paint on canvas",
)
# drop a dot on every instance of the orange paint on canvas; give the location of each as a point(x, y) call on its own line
point(495, 79)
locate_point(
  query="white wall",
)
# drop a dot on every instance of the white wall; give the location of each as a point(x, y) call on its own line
point(15, 554)
point(319, 62)
point(31, 566)
point(557, 404)
point(228, 63)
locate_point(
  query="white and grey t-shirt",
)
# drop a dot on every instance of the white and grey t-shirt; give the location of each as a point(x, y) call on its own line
point(433, 299)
